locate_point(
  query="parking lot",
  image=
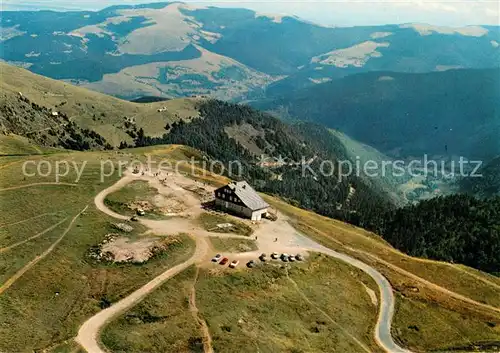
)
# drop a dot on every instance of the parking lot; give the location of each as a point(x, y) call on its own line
point(251, 260)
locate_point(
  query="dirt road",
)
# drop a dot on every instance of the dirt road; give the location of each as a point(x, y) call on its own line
point(88, 334)
point(277, 236)
point(288, 239)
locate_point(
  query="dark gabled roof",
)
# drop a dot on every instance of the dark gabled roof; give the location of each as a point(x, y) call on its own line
point(248, 195)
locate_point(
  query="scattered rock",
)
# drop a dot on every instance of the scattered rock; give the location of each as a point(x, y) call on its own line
point(118, 249)
point(123, 227)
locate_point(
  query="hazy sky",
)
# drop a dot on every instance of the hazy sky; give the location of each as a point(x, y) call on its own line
point(326, 12)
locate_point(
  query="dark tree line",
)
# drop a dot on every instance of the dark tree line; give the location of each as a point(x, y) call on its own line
point(325, 195)
point(458, 228)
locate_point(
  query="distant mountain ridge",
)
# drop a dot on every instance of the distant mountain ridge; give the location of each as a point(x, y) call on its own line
point(42, 109)
point(178, 50)
point(229, 132)
point(442, 114)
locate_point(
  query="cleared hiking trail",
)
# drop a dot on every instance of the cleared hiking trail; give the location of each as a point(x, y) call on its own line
point(205, 332)
point(36, 184)
point(417, 278)
point(28, 219)
point(456, 267)
point(88, 334)
point(311, 303)
point(15, 245)
point(434, 286)
point(40, 257)
point(99, 199)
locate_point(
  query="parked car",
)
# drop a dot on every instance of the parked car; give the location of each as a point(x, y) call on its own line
point(263, 257)
point(134, 219)
point(234, 264)
point(299, 257)
point(275, 255)
point(140, 212)
point(291, 258)
point(251, 264)
point(224, 261)
point(284, 256)
point(216, 258)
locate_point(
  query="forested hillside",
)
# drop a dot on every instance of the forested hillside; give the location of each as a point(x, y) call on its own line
point(178, 50)
point(43, 126)
point(488, 184)
point(458, 228)
point(439, 113)
point(349, 198)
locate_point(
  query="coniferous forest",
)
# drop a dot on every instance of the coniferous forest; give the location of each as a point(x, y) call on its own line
point(460, 228)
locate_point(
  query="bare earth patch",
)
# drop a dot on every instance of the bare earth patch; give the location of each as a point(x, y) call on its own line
point(122, 249)
point(357, 55)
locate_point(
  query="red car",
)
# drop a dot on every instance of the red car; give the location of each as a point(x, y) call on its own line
point(224, 261)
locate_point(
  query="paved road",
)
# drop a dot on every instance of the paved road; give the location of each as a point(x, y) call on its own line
point(88, 335)
point(386, 307)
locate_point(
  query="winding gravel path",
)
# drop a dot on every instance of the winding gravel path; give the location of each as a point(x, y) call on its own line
point(386, 307)
point(88, 334)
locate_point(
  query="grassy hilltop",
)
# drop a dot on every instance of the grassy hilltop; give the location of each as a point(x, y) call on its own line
point(55, 295)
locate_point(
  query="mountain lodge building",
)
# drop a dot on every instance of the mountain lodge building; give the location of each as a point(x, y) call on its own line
point(240, 198)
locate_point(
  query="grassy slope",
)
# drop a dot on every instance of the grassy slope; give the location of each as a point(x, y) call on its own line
point(263, 311)
point(18, 145)
point(82, 104)
point(32, 316)
point(209, 222)
point(233, 245)
point(160, 323)
point(419, 307)
point(30, 301)
point(438, 327)
point(255, 310)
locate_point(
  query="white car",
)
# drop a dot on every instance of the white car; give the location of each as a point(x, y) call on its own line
point(291, 258)
point(234, 264)
point(217, 258)
point(274, 255)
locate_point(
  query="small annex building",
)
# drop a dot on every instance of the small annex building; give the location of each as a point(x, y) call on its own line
point(240, 198)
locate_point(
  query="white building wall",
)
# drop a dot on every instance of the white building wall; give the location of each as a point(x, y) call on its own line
point(242, 210)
